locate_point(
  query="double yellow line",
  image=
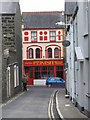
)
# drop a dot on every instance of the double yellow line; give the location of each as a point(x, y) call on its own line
point(50, 107)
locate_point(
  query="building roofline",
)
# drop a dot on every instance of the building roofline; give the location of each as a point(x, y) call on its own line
point(41, 28)
point(41, 12)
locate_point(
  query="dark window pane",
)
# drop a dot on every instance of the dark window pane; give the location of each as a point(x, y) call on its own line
point(37, 53)
point(56, 52)
point(59, 74)
point(37, 75)
point(28, 68)
point(59, 68)
point(50, 68)
point(44, 75)
point(31, 74)
point(37, 68)
point(31, 53)
point(43, 68)
point(49, 53)
point(51, 74)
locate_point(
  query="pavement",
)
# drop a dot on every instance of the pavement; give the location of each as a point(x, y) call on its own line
point(66, 109)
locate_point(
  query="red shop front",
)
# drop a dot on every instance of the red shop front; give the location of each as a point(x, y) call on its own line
point(42, 69)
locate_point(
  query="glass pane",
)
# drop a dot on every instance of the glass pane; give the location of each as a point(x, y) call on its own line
point(56, 52)
point(50, 74)
point(43, 68)
point(44, 75)
point(50, 68)
point(31, 74)
point(49, 52)
point(37, 53)
point(59, 68)
point(37, 75)
point(59, 74)
point(37, 68)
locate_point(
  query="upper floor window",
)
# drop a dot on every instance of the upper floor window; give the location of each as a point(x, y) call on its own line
point(56, 51)
point(52, 35)
point(33, 36)
point(49, 53)
point(37, 53)
point(30, 53)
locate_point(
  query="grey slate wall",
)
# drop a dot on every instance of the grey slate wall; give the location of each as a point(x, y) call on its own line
point(18, 38)
point(0, 60)
point(11, 37)
point(8, 40)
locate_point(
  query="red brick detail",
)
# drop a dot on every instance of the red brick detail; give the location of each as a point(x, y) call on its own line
point(41, 38)
point(45, 33)
point(41, 33)
point(26, 38)
point(26, 33)
point(59, 37)
point(45, 37)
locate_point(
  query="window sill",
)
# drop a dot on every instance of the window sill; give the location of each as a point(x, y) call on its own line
point(85, 34)
point(52, 40)
point(33, 41)
point(88, 95)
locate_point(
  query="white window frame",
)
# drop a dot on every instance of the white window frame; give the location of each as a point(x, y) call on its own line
point(15, 76)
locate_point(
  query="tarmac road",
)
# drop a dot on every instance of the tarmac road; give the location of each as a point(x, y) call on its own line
point(32, 104)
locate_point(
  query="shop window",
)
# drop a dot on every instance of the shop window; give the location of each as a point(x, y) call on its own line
point(44, 72)
point(52, 35)
point(56, 52)
point(43, 68)
point(59, 68)
point(50, 71)
point(30, 53)
point(59, 71)
point(37, 72)
point(49, 53)
point(34, 36)
point(31, 74)
point(59, 74)
point(37, 53)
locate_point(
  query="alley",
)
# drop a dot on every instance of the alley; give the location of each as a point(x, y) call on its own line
point(32, 104)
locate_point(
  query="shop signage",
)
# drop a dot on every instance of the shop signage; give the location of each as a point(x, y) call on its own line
point(42, 63)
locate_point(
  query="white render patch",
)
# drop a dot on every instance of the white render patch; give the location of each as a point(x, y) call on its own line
point(79, 54)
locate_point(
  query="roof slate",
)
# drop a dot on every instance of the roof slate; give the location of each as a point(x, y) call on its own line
point(8, 7)
point(41, 19)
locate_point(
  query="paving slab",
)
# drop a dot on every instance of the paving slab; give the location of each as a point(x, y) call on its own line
point(66, 108)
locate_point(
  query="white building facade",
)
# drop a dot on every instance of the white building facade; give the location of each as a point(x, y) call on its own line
point(78, 83)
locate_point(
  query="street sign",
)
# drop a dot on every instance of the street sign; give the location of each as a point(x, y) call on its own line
point(66, 43)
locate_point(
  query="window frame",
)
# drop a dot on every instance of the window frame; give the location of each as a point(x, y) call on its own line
point(31, 53)
point(34, 36)
point(55, 51)
point(48, 52)
point(37, 53)
point(51, 35)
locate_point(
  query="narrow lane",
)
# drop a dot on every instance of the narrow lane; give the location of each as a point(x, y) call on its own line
point(32, 104)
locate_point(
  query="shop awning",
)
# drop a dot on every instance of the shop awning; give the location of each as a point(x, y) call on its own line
point(79, 54)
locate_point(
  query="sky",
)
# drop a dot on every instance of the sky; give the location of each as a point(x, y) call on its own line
point(41, 5)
